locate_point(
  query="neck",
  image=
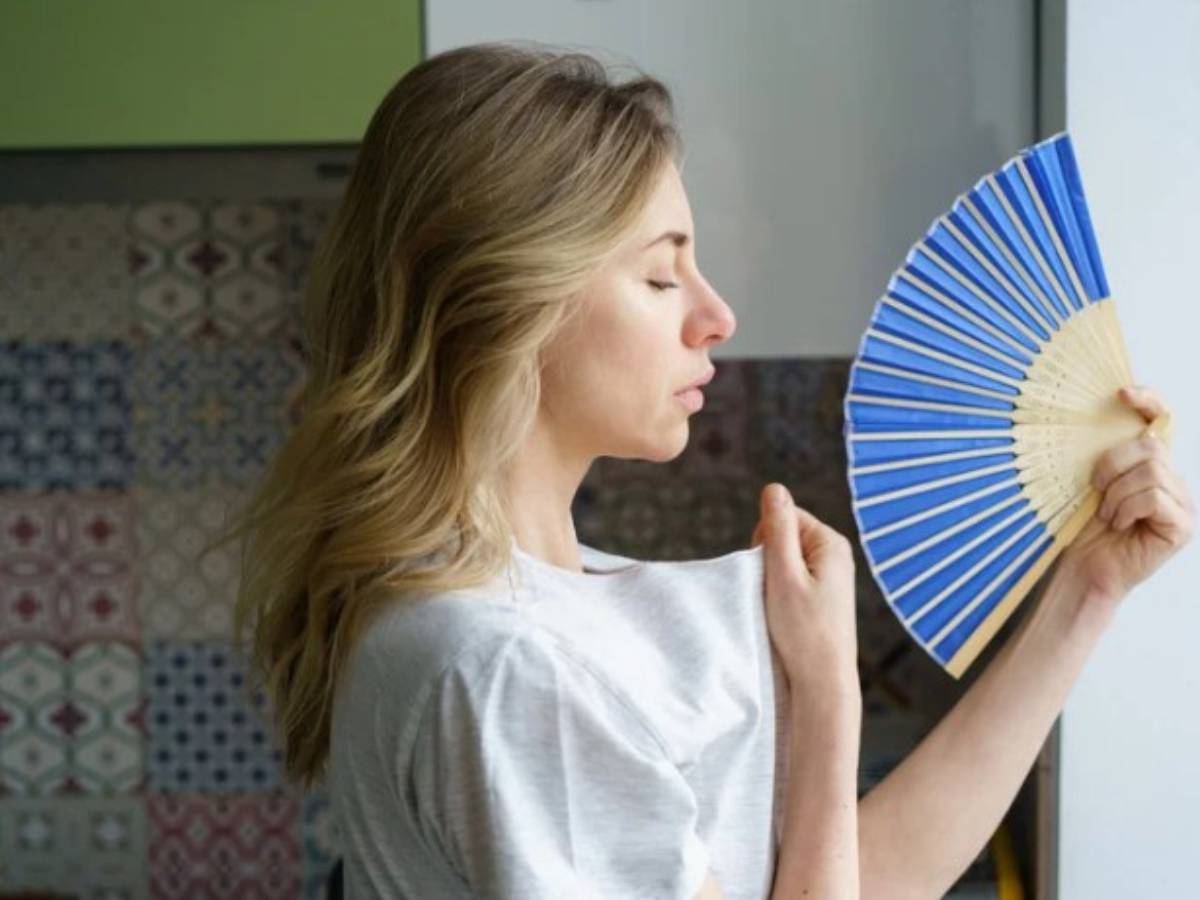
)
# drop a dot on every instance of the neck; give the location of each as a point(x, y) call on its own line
point(539, 486)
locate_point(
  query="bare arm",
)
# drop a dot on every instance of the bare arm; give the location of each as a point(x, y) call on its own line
point(927, 820)
point(818, 851)
point(921, 827)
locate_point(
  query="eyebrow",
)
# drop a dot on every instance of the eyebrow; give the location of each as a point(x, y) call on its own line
point(678, 238)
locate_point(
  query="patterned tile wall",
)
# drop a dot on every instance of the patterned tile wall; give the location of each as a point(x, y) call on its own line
point(149, 365)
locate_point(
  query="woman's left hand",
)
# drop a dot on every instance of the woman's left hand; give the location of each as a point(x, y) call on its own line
point(1146, 513)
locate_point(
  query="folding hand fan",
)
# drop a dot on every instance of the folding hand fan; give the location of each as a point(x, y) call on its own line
point(982, 394)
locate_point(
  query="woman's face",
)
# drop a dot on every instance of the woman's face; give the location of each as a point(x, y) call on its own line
point(611, 380)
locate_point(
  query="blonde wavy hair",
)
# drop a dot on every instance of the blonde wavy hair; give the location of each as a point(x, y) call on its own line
point(491, 182)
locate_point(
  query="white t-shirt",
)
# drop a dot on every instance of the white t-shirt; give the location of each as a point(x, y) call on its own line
point(607, 734)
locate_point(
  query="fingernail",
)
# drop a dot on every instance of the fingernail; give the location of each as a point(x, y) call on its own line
point(778, 495)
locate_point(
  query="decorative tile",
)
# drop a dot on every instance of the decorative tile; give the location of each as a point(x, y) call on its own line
point(70, 719)
point(67, 568)
point(238, 846)
point(33, 680)
point(62, 271)
point(304, 222)
point(182, 595)
point(203, 732)
point(322, 842)
point(94, 847)
point(64, 415)
point(797, 414)
point(205, 269)
point(204, 410)
point(671, 518)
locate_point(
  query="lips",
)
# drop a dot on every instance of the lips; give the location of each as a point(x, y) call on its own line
point(699, 382)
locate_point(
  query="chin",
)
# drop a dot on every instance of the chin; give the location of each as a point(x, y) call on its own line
point(663, 444)
point(673, 444)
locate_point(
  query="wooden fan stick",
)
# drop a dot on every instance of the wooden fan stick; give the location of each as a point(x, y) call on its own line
point(1163, 428)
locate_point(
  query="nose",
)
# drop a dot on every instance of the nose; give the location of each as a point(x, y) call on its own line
point(711, 321)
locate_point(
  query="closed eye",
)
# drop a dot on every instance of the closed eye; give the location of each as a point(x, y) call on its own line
point(662, 285)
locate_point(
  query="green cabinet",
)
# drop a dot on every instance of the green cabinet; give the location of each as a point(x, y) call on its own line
point(167, 73)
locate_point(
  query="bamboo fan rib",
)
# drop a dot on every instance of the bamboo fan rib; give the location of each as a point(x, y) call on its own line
point(983, 391)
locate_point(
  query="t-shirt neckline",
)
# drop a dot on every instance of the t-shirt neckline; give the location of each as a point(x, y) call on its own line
point(595, 562)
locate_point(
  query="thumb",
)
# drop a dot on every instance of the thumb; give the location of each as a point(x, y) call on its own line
point(819, 541)
point(782, 533)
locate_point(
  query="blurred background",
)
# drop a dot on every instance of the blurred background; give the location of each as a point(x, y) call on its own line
point(165, 170)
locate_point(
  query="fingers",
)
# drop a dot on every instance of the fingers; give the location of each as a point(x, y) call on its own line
point(781, 530)
point(807, 542)
point(1150, 473)
point(1148, 402)
point(1138, 481)
point(1161, 512)
point(1118, 460)
point(821, 544)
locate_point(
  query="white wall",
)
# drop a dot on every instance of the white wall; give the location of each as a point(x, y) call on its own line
point(823, 137)
point(1130, 790)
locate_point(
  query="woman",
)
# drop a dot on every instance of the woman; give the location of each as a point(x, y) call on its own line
point(509, 290)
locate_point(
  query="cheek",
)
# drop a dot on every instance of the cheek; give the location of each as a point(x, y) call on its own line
point(629, 370)
point(612, 356)
point(633, 350)
point(607, 393)
point(609, 373)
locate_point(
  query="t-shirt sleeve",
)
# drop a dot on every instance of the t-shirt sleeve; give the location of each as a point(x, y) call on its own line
point(533, 778)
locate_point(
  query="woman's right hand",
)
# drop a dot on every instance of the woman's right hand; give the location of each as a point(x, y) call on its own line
point(809, 596)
